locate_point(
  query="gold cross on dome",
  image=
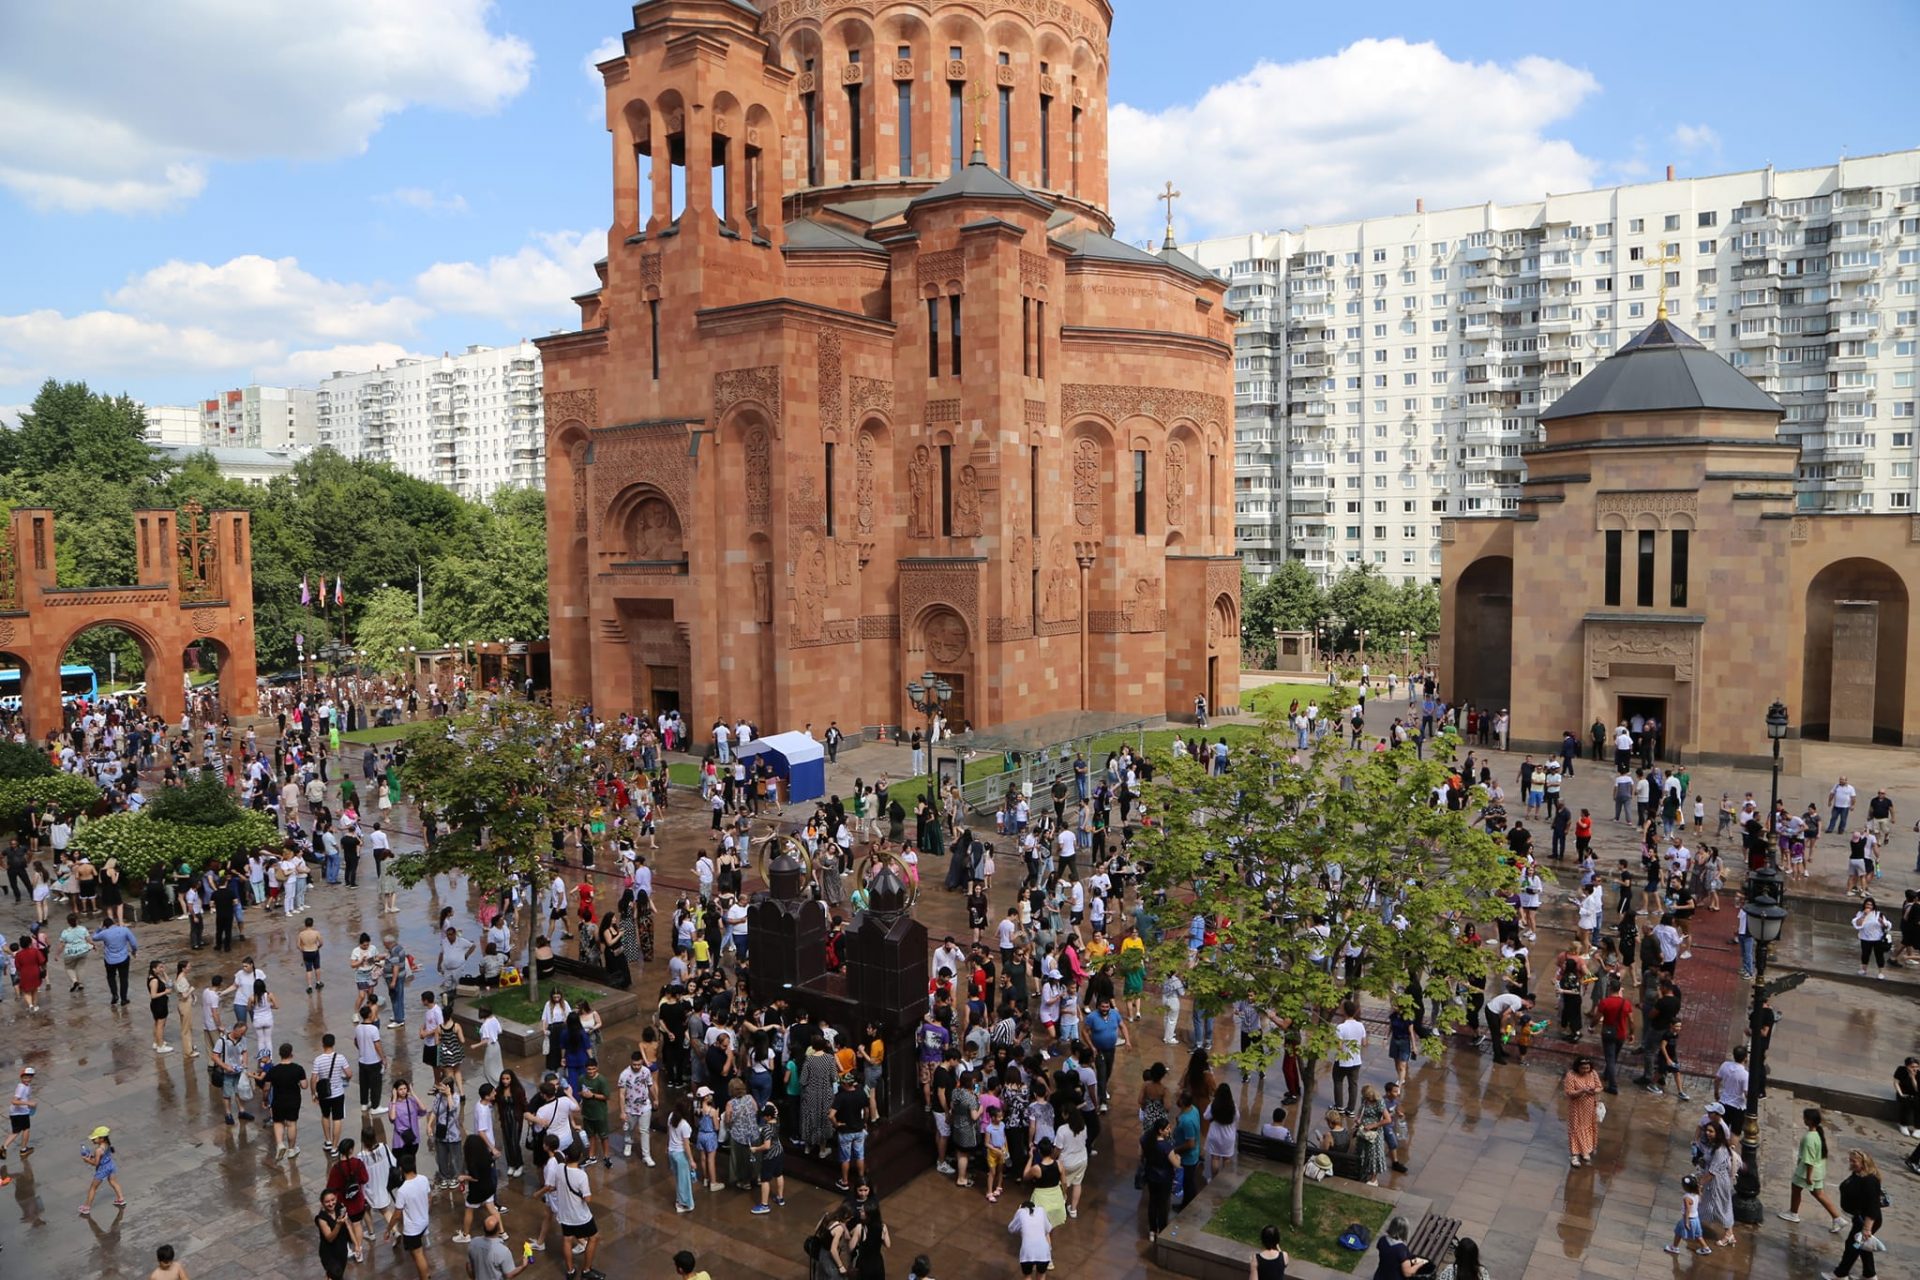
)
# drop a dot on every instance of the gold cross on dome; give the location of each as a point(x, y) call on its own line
point(1169, 196)
point(1660, 266)
point(977, 97)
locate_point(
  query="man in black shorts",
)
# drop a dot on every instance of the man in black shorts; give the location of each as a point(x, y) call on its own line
point(568, 1192)
point(331, 1072)
point(285, 1081)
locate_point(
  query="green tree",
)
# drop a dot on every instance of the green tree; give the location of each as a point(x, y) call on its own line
point(388, 624)
point(71, 427)
point(497, 587)
point(1282, 845)
point(499, 778)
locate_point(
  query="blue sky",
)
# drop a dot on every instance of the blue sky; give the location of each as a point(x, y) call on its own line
point(213, 194)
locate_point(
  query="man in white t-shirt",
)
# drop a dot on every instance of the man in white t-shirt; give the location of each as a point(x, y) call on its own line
point(568, 1192)
point(1840, 800)
point(1068, 842)
point(413, 1198)
point(1350, 1046)
point(1500, 1011)
point(370, 1056)
point(555, 1113)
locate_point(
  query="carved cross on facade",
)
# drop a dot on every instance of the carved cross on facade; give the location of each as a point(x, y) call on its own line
point(199, 556)
point(1168, 196)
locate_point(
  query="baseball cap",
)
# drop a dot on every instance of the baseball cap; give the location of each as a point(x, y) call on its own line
point(99, 1132)
point(703, 1092)
point(29, 1071)
point(1714, 1108)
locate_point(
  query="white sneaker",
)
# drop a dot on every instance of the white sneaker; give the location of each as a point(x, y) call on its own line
point(647, 1161)
point(1789, 1217)
point(1838, 1225)
point(628, 1151)
point(1686, 955)
point(461, 1237)
point(579, 1246)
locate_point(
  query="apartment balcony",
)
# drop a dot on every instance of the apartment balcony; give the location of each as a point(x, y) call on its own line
point(523, 365)
point(1308, 415)
point(1307, 338)
point(1856, 327)
point(1314, 504)
point(1761, 338)
point(1310, 465)
point(443, 378)
point(1851, 239)
point(1556, 271)
point(1863, 271)
point(1556, 322)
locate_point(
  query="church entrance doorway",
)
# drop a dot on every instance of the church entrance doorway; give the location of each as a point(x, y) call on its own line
point(1213, 683)
point(663, 693)
point(1645, 708)
point(954, 710)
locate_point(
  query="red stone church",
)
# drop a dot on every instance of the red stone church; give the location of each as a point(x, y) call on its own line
point(868, 387)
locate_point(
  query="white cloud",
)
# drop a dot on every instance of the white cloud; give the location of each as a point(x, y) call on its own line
point(1365, 131)
point(606, 51)
point(424, 201)
point(10, 415)
point(268, 295)
point(254, 318)
point(1696, 137)
point(538, 280)
point(172, 88)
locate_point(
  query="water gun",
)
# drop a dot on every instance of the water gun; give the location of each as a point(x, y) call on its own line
point(526, 1253)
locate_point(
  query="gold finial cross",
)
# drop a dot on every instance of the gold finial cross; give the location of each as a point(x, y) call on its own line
point(1660, 265)
point(977, 96)
point(1169, 196)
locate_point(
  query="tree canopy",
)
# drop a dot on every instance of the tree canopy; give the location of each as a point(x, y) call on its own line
point(83, 454)
point(1361, 597)
point(1295, 860)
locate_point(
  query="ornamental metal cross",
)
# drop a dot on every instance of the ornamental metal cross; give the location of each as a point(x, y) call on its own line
point(1660, 266)
point(1169, 196)
point(978, 96)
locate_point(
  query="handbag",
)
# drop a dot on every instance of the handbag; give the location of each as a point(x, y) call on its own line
point(1599, 1112)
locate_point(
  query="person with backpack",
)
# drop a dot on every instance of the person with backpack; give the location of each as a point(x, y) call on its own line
point(348, 1179)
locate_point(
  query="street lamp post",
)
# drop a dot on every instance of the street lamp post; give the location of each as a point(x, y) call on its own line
point(1276, 648)
point(1363, 644)
point(1776, 730)
point(1765, 920)
point(928, 694)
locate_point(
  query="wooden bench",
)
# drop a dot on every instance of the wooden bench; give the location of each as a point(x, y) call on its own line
point(1346, 1163)
point(1433, 1238)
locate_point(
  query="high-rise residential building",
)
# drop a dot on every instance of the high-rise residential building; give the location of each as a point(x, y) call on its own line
point(258, 417)
point(173, 424)
point(1390, 371)
point(470, 421)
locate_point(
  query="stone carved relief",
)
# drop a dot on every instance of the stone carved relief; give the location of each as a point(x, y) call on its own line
point(1005, 75)
point(1221, 623)
point(205, 622)
point(830, 399)
point(853, 73)
point(946, 636)
point(863, 485)
point(1176, 483)
point(1913, 531)
point(806, 82)
point(199, 556)
point(8, 632)
point(879, 626)
point(1632, 508)
point(759, 478)
point(1143, 610)
point(1033, 272)
point(1611, 642)
point(920, 493)
point(939, 269)
point(810, 589)
point(653, 532)
point(807, 508)
point(735, 386)
point(1162, 404)
point(577, 461)
point(966, 503)
point(9, 574)
point(1060, 599)
point(625, 456)
point(846, 561)
point(573, 406)
point(1800, 530)
point(762, 592)
point(1036, 413)
point(903, 68)
point(1223, 579)
point(956, 586)
point(1020, 583)
point(943, 411)
point(956, 69)
point(650, 271)
point(1086, 482)
point(1449, 530)
point(866, 395)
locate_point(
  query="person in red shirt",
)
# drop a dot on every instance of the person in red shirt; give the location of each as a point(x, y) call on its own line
point(30, 970)
point(1583, 833)
point(1616, 1029)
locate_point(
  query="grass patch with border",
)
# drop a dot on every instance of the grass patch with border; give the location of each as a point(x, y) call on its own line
point(1257, 699)
point(1266, 1199)
point(513, 1004)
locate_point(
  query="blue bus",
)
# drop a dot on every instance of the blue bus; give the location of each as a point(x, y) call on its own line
point(76, 682)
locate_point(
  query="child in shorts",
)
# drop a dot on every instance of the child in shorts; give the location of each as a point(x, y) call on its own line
point(996, 1138)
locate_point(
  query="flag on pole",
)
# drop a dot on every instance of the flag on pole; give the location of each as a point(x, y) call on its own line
point(306, 596)
point(339, 595)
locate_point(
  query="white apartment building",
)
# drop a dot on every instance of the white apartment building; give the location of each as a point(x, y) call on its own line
point(258, 417)
point(470, 421)
point(170, 424)
point(1389, 371)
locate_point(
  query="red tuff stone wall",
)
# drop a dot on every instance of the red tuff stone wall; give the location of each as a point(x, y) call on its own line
point(770, 491)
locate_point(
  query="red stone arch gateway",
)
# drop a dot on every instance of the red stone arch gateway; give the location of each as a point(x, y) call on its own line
point(195, 583)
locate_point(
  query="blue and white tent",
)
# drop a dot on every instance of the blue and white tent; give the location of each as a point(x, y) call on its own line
point(799, 761)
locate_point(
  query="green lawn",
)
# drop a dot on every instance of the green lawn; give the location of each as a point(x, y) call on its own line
point(682, 774)
point(369, 736)
point(1256, 700)
point(1266, 1199)
point(512, 1003)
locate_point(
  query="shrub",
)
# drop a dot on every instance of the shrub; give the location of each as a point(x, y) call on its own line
point(203, 802)
point(68, 792)
point(145, 845)
point(18, 760)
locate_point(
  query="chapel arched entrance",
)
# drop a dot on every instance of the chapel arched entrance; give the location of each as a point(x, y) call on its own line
point(1854, 674)
point(1483, 633)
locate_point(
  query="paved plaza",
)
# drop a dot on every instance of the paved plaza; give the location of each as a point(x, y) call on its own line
point(1487, 1143)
